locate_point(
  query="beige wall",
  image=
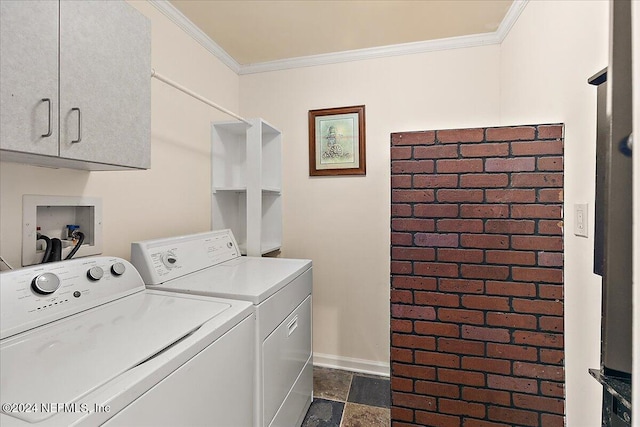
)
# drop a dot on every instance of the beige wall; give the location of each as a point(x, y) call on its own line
point(171, 198)
point(342, 223)
point(545, 62)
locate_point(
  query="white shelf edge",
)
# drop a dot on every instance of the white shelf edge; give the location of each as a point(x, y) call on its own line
point(265, 248)
point(270, 129)
point(236, 189)
point(271, 190)
point(233, 127)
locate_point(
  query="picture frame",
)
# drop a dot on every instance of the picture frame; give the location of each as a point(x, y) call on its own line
point(337, 141)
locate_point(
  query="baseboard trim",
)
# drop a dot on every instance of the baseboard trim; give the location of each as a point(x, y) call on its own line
point(351, 364)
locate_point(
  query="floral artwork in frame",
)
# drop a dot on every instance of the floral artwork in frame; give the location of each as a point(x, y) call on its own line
point(337, 141)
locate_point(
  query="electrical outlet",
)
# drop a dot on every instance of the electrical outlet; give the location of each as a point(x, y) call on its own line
point(581, 223)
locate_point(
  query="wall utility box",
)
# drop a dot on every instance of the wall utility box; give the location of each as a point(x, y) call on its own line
point(50, 215)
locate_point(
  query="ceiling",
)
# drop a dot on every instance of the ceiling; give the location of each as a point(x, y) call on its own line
point(260, 31)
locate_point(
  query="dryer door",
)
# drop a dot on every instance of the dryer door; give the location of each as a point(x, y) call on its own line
point(285, 354)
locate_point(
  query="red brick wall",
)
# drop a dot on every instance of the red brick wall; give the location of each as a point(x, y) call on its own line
point(477, 334)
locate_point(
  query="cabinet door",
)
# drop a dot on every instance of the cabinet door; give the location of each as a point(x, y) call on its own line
point(105, 88)
point(29, 76)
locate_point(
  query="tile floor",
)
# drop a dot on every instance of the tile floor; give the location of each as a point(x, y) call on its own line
point(348, 399)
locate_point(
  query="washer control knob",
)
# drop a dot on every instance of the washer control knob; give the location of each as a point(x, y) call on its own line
point(169, 260)
point(45, 283)
point(118, 269)
point(95, 273)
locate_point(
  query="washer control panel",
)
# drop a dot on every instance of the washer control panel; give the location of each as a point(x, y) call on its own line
point(161, 260)
point(36, 295)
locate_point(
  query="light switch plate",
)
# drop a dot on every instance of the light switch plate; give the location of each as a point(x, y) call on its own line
point(581, 223)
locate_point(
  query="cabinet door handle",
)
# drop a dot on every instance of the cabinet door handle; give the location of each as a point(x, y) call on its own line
point(48, 101)
point(79, 125)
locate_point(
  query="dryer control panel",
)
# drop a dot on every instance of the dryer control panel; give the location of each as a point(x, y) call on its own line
point(161, 260)
point(36, 295)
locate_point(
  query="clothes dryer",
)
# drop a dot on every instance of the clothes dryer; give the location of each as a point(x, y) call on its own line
point(210, 264)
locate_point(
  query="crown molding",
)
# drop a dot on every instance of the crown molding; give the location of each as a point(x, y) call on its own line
point(372, 53)
point(191, 29)
point(475, 40)
point(510, 18)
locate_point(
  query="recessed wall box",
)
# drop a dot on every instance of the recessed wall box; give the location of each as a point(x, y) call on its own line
point(50, 215)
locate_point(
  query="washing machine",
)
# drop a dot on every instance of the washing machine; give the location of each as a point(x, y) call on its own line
point(84, 343)
point(210, 264)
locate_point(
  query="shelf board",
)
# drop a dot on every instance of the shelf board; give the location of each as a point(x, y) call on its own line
point(267, 128)
point(233, 127)
point(236, 189)
point(271, 190)
point(267, 247)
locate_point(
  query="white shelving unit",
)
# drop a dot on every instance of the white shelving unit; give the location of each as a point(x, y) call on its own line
point(246, 167)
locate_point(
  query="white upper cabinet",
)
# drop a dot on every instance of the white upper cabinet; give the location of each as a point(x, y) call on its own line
point(29, 77)
point(105, 74)
point(101, 100)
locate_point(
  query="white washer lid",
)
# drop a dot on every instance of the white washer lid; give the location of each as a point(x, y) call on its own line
point(251, 279)
point(62, 361)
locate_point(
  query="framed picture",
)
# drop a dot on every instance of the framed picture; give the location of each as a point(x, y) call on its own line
point(336, 141)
